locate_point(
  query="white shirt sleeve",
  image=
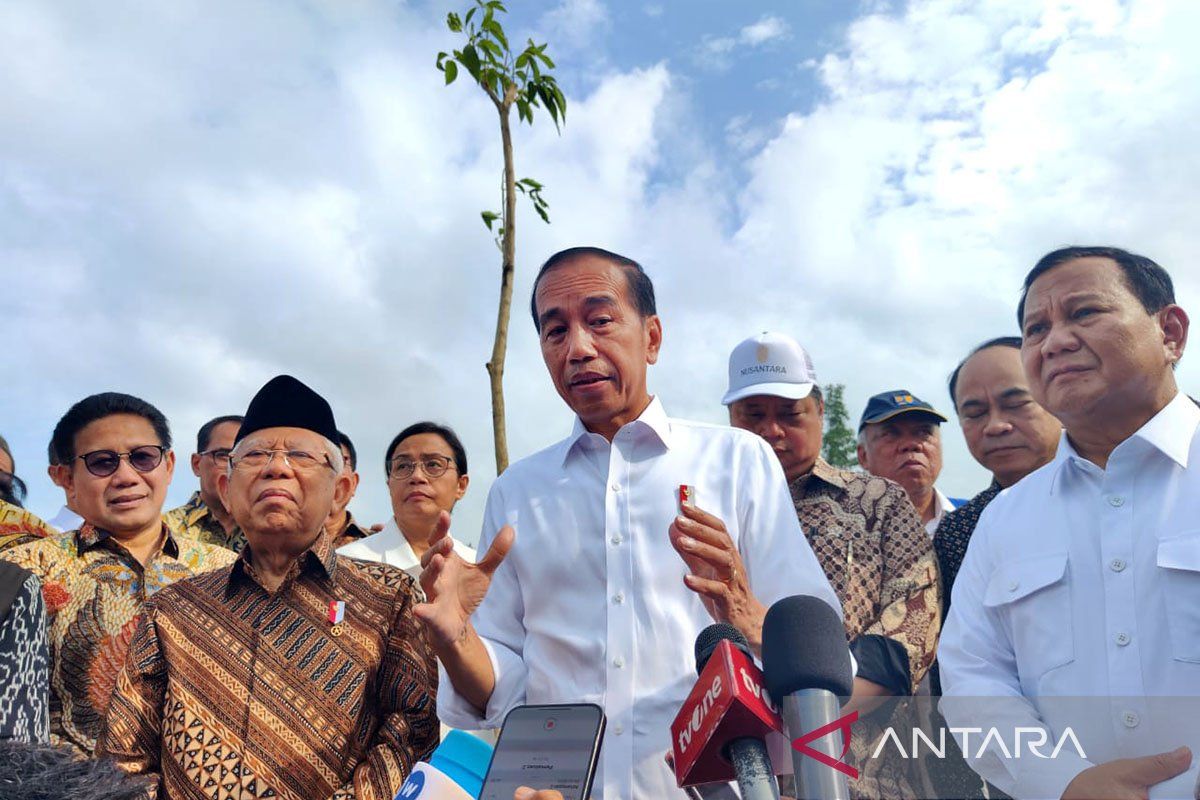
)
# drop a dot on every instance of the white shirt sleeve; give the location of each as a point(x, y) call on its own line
point(498, 621)
point(779, 560)
point(982, 689)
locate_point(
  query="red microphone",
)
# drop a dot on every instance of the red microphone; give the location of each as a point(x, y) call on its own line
point(728, 703)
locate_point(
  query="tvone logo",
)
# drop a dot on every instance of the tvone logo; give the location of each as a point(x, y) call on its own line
point(699, 713)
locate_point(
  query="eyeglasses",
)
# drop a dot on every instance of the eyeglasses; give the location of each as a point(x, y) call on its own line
point(432, 466)
point(103, 463)
point(219, 455)
point(296, 459)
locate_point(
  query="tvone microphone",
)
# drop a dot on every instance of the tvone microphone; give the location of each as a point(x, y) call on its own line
point(806, 663)
point(719, 731)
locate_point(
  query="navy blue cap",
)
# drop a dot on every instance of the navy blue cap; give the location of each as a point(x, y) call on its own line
point(886, 405)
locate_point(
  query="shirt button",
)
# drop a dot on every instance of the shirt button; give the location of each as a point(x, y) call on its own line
point(616, 539)
point(616, 487)
point(618, 729)
point(1121, 639)
point(619, 598)
point(618, 662)
point(1130, 719)
point(1116, 501)
point(1012, 587)
point(1116, 565)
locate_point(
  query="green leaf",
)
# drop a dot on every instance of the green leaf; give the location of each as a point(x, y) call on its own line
point(470, 60)
point(491, 26)
point(492, 50)
point(453, 22)
point(489, 217)
point(451, 72)
point(471, 13)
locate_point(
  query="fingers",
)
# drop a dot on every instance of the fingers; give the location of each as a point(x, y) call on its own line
point(442, 547)
point(717, 591)
point(703, 517)
point(498, 550)
point(430, 572)
point(710, 534)
point(1149, 770)
point(718, 558)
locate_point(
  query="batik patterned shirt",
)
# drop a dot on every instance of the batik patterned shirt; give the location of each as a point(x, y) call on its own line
point(232, 691)
point(879, 559)
point(194, 520)
point(24, 657)
point(18, 527)
point(94, 590)
point(954, 534)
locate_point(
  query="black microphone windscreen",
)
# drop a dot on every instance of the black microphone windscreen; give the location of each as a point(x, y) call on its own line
point(713, 635)
point(804, 647)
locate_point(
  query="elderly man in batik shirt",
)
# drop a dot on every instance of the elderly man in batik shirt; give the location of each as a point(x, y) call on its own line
point(295, 673)
point(116, 450)
point(203, 517)
point(868, 538)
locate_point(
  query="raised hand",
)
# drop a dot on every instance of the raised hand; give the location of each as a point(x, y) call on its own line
point(1127, 778)
point(454, 588)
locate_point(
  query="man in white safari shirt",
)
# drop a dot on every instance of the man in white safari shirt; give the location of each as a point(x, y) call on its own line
point(1078, 604)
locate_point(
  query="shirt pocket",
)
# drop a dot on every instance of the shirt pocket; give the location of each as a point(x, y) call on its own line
point(1035, 596)
point(1179, 560)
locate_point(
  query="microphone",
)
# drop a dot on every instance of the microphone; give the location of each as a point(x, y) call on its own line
point(455, 770)
point(719, 732)
point(806, 663)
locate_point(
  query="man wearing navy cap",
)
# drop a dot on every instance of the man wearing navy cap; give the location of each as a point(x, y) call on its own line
point(900, 438)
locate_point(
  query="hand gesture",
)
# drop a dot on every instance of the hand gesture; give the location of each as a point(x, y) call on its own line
point(717, 572)
point(454, 588)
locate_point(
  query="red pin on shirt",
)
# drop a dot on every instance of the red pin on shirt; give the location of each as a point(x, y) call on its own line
point(687, 496)
point(337, 611)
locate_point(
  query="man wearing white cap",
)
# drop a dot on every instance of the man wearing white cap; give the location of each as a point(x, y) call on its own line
point(866, 535)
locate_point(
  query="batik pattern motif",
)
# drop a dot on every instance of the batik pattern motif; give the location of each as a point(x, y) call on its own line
point(18, 527)
point(232, 691)
point(94, 591)
point(194, 520)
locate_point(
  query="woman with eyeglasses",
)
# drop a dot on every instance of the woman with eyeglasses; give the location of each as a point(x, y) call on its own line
point(426, 468)
point(117, 459)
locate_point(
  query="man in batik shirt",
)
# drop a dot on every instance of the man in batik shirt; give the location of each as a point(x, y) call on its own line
point(18, 527)
point(203, 517)
point(295, 673)
point(868, 538)
point(340, 524)
point(116, 450)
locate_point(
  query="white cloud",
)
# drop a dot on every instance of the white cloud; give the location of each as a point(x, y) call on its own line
point(193, 198)
point(716, 52)
point(576, 23)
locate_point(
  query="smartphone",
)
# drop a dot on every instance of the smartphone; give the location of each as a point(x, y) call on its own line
point(546, 747)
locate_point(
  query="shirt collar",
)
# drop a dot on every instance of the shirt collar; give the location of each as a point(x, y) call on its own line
point(320, 557)
point(89, 537)
point(823, 471)
point(653, 421)
point(1170, 432)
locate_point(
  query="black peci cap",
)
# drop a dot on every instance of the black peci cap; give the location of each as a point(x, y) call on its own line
point(285, 402)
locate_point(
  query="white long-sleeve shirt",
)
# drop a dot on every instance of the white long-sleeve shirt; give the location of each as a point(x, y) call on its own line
point(1078, 604)
point(590, 604)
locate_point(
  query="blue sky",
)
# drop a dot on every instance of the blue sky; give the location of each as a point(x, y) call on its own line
point(196, 196)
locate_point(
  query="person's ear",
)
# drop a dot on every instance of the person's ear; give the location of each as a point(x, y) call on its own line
point(461, 489)
point(1173, 322)
point(196, 457)
point(654, 334)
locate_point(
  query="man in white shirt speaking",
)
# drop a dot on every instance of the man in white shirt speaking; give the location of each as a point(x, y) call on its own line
point(597, 577)
point(1077, 607)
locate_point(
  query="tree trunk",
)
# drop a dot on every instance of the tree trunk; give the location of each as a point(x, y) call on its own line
point(508, 246)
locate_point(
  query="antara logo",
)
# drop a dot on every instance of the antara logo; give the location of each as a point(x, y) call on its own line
point(843, 723)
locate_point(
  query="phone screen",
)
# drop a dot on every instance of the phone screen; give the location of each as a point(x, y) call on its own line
point(546, 747)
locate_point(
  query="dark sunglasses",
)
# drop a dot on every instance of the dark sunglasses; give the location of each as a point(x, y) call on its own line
point(103, 463)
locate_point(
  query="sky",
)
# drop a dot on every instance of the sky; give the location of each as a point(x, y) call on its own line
point(196, 196)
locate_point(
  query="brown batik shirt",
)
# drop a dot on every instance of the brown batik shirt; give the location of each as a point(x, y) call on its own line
point(879, 560)
point(231, 691)
point(195, 520)
point(94, 591)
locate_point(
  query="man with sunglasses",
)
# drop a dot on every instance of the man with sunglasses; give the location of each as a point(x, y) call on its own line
point(294, 673)
point(117, 462)
point(204, 517)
